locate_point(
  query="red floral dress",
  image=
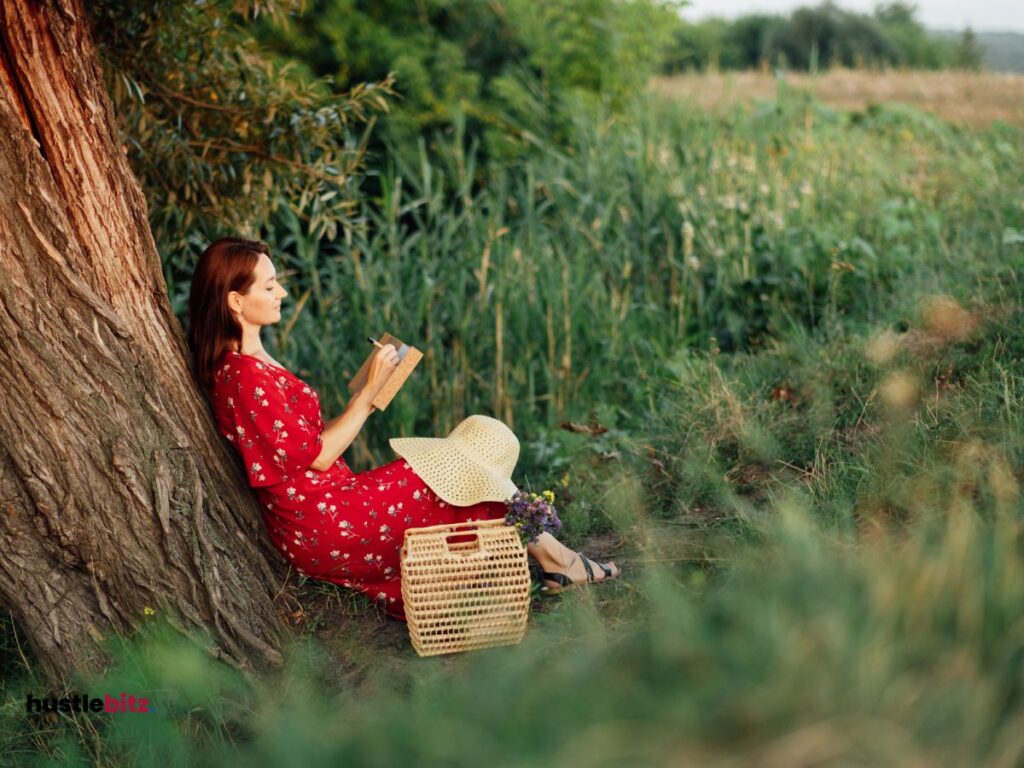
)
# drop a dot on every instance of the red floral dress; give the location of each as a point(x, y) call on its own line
point(334, 525)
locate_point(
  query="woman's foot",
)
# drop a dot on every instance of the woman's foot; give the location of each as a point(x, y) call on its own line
point(581, 570)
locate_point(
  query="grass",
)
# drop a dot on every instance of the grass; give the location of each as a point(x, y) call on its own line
point(769, 359)
point(557, 290)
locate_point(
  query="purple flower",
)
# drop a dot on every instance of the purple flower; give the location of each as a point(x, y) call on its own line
point(532, 514)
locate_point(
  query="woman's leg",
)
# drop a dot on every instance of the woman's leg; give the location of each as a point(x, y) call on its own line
point(555, 557)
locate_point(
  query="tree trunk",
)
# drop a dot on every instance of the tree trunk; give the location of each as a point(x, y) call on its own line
point(116, 492)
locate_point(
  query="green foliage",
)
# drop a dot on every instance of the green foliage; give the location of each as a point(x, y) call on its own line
point(914, 46)
point(220, 136)
point(505, 67)
point(595, 46)
point(436, 49)
point(707, 44)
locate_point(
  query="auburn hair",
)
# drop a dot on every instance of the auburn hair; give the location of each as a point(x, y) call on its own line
point(228, 264)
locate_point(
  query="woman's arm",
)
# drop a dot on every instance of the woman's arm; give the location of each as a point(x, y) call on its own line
point(342, 430)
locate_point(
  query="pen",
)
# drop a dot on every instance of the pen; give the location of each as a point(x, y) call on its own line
point(374, 342)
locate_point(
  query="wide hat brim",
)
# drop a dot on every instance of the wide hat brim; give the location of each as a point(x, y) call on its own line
point(450, 473)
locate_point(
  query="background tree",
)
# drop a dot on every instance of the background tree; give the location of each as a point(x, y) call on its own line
point(914, 46)
point(748, 39)
point(968, 53)
point(829, 36)
point(221, 137)
point(811, 36)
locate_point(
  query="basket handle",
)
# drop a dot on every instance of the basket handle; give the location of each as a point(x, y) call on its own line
point(494, 523)
point(477, 545)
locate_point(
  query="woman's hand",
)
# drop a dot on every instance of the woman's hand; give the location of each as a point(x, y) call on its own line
point(384, 361)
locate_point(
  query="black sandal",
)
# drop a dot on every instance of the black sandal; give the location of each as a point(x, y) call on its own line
point(564, 582)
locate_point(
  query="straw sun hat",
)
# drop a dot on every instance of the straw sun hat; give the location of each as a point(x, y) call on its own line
point(473, 464)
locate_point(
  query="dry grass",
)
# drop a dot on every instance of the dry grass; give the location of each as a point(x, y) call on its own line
point(967, 98)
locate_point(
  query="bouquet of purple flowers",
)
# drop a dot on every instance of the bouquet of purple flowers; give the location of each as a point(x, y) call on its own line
point(532, 514)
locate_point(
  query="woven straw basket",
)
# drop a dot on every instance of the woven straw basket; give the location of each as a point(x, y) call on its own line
point(464, 595)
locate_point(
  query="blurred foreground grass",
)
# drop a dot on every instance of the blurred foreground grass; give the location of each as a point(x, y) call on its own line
point(812, 649)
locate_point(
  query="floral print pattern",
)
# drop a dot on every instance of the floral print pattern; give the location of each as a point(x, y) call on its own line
point(334, 525)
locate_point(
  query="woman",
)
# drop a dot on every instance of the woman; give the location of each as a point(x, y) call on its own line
point(330, 523)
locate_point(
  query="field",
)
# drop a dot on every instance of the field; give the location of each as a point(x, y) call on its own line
point(768, 354)
point(966, 98)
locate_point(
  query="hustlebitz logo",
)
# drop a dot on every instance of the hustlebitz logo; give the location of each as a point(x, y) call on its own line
point(126, 703)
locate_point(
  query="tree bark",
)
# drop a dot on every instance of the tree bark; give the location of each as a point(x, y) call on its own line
point(116, 492)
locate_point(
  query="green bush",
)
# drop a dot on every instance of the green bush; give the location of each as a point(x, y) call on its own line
point(505, 68)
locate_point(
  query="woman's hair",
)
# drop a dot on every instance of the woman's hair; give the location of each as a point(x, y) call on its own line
point(228, 264)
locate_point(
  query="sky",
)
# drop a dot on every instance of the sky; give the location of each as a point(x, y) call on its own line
point(981, 15)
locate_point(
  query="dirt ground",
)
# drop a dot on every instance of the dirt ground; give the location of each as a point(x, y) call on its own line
point(357, 635)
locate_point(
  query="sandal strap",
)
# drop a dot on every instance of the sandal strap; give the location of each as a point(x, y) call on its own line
point(586, 564)
point(602, 566)
point(561, 578)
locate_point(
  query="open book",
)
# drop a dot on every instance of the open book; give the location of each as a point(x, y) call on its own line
point(408, 357)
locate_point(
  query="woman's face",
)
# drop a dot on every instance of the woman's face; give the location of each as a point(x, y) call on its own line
point(261, 304)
